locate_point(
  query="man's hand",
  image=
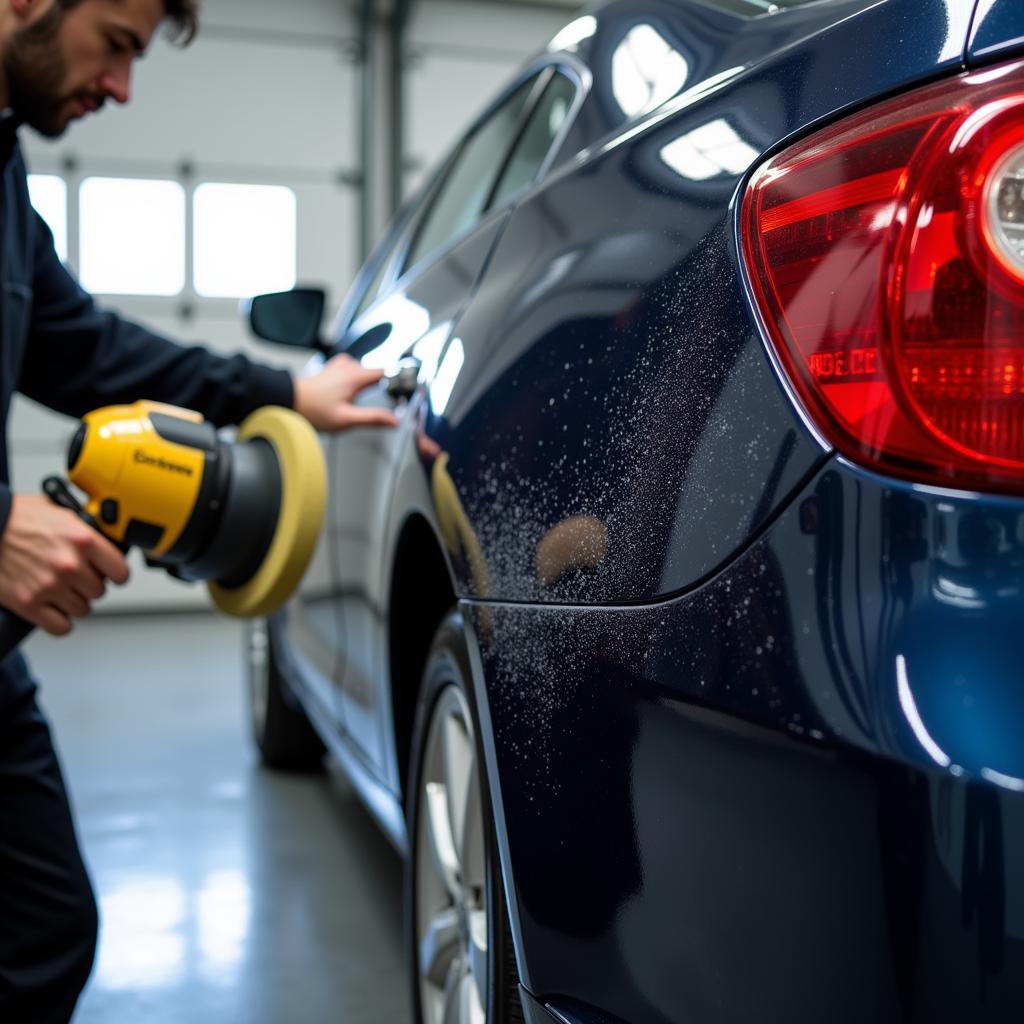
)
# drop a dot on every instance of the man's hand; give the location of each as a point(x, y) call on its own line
point(52, 565)
point(326, 398)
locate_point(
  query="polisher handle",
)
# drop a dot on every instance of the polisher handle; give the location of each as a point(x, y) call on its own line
point(13, 628)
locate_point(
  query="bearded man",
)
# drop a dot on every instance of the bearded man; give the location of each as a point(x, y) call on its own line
point(61, 60)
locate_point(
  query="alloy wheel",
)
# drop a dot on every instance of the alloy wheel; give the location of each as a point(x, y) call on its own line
point(451, 870)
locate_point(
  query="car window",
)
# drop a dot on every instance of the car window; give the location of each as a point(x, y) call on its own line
point(373, 287)
point(464, 192)
point(533, 146)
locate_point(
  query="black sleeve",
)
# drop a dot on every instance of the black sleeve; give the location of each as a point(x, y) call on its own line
point(79, 358)
point(5, 506)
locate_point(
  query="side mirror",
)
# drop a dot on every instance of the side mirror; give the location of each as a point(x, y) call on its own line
point(288, 318)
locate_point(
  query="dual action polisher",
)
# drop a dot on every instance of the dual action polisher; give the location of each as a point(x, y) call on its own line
point(243, 515)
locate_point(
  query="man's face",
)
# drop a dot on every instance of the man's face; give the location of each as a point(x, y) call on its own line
point(63, 64)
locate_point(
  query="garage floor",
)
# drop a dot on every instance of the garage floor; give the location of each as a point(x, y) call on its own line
point(228, 894)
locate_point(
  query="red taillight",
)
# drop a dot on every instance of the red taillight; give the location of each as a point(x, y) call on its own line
point(886, 254)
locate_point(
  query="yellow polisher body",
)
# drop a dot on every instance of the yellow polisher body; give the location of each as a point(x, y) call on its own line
point(132, 473)
point(157, 477)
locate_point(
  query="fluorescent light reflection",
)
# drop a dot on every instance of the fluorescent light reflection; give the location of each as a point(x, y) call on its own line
point(447, 374)
point(223, 913)
point(1006, 781)
point(707, 151)
point(142, 945)
point(156, 931)
point(574, 33)
point(935, 752)
point(409, 320)
point(646, 71)
point(948, 592)
point(685, 99)
point(429, 348)
point(958, 22)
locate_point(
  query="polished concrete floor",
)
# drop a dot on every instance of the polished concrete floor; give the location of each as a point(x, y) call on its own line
point(228, 893)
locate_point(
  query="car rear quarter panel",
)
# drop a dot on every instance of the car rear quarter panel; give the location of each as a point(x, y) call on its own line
point(794, 795)
point(611, 366)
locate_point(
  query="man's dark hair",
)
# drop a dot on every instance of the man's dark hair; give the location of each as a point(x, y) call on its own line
point(183, 15)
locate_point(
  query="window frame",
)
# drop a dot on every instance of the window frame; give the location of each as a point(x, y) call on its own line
point(541, 77)
point(542, 68)
point(393, 250)
point(553, 147)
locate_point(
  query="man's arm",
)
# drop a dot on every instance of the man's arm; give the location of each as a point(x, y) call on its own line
point(78, 358)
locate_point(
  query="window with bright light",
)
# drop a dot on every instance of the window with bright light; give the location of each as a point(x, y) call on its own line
point(244, 239)
point(49, 195)
point(132, 235)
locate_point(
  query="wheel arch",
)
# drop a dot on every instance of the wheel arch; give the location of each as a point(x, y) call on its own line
point(421, 594)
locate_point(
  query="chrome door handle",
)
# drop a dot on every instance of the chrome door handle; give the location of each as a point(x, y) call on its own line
point(401, 381)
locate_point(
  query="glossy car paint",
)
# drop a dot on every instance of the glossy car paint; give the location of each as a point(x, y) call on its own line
point(997, 29)
point(800, 780)
point(755, 751)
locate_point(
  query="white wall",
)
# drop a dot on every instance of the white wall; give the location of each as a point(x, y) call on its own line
point(269, 94)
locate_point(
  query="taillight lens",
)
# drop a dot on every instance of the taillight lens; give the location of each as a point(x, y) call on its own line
point(886, 254)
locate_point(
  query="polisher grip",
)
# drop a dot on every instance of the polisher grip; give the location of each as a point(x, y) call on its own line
point(13, 628)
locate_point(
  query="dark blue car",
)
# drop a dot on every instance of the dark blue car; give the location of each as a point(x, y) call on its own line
point(676, 635)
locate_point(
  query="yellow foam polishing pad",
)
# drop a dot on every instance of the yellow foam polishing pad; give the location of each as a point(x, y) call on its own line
point(301, 516)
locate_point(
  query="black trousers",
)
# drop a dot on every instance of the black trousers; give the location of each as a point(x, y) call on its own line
point(48, 919)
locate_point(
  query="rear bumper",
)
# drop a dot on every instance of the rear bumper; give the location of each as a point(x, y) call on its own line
point(794, 794)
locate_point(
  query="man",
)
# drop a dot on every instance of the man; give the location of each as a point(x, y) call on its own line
point(60, 60)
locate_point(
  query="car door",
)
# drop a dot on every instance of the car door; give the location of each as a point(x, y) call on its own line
point(310, 624)
point(447, 249)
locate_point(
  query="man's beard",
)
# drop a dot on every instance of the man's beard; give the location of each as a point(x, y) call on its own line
point(36, 70)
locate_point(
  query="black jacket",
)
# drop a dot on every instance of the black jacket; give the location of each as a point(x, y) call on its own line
point(56, 347)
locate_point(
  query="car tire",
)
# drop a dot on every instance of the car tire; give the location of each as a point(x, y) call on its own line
point(280, 728)
point(457, 926)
